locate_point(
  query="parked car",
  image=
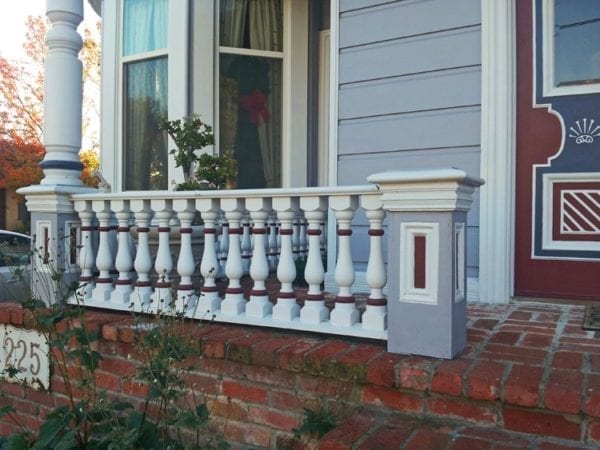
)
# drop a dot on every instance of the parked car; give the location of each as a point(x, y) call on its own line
point(15, 256)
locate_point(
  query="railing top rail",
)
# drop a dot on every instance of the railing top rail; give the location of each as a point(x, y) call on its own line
point(229, 193)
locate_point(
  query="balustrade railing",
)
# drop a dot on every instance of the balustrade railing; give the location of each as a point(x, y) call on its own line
point(145, 259)
point(237, 256)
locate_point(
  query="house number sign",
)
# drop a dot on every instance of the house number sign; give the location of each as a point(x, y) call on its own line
point(24, 357)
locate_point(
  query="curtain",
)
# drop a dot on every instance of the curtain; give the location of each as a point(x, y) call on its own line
point(145, 25)
point(265, 18)
point(233, 22)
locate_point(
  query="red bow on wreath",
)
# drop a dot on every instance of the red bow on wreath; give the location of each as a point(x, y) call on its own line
point(255, 105)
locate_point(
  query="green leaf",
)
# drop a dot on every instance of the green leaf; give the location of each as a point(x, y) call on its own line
point(202, 412)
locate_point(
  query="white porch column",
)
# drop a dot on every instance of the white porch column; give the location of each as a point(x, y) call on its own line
point(52, 213)
point(427, 311)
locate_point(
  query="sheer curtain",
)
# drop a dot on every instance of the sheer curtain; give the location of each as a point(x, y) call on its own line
point(145, 147)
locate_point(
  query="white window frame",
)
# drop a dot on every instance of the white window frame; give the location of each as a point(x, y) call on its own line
point(549, 83)
point(113, 68)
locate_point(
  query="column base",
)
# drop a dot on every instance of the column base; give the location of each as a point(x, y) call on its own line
point(375, 318)
point(286, 310)
point(314, 312)
point(344, 315)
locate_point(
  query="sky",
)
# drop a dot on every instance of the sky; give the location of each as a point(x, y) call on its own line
point(12, 23)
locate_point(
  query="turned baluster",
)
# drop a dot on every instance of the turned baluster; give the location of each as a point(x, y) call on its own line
point(162, 298)
point(209, 300)
point(375, 315)
point(259, 305)
point(86, 252)
point(314, 310)
point(104, 256)
point(296, 236)
point(234, 302)
point(272, 243)
point(120, 296)
point(223, 247)
point(186, 266)
point(345, 313)
point(246, 244)
point(303, 236)
point(142, 290)
point(286, 308)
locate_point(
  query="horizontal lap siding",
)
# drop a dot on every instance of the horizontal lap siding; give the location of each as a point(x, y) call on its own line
point(410, 91)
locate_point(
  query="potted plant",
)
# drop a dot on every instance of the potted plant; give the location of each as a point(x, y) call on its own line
point(203, 171)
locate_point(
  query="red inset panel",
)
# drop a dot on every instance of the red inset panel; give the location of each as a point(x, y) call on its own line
point(420, 245)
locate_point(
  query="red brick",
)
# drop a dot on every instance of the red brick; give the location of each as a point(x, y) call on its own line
point(271, 377)
point(484, 380)
point(495, 435)
point(386, 438)
point(485, 324)
point(289, 401)
point(448, 376)
point(320, 360)
point(592, 404)
point(499, 352)
point(563, 391)
point(505, 337)
point(381, 369)
point(214, 345)
point(135, 388)
point(264, 353)
point(239, 349)
point(594, 431)
point(466, 443)
point(462, 409)
point(17, 317)
point(392, 398)
point(595, 363)
point(345, 435)
point(522, 385)
point(520, 315)
point(117, 366)
point(110, 332)
point(272, 418)
point(291, 357)
point(248, 433)
point(324, 387)
point(521, 328)
point(352, 365)
point(541, 423)
point(107, 381)
point(537, 340)
point(553, 446)
point(228, 409)
point(244, 392)
point(428, 439)
point(415, 372)
point(567, 360)
point(205, 384)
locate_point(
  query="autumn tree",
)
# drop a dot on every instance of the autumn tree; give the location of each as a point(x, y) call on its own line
point(22, 98)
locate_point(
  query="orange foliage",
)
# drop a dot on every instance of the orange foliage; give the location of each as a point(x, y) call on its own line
point(91, 163)
point(20, 163)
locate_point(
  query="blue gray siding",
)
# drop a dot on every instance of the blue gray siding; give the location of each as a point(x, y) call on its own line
point(410, 90)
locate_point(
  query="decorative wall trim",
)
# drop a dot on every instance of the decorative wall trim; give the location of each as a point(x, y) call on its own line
point(498, 150)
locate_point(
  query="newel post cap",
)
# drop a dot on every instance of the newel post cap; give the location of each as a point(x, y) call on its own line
point(426, 190)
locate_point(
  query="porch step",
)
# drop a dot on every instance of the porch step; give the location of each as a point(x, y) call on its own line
point(371, 430)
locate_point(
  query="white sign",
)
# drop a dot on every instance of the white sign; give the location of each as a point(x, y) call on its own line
point(24, 357)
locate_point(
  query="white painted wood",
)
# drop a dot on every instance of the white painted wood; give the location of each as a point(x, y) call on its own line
point(234, 302)
point(272, 244)
point(324, 105)
point(344, 313)
point(375, 315)
point(104, 256)
point(286, 308)
point(460, 254)
point(185, 302)
point(314, 310)
point(209, 301)
point(163, 264)
point(259, 305)
point(498, 111)
point(408, 292)
point(87, 256)
point(246, 244)
point(142, 263)
point(120, 296)
point(223, 246)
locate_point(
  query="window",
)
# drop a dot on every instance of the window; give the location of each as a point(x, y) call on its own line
point(145, 87)
point(572, 47)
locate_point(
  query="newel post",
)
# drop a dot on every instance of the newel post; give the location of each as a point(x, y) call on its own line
point(427, 213)
point(54, 222)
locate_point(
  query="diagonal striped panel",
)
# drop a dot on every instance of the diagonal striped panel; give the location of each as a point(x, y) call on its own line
point(580, 211)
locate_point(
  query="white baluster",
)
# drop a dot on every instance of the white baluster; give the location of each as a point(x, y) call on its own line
point(272, 246)
point(296, 236)
point(162, 298)
point(303, 237)
point(223, 247)
point(259, 305)
point(286, 309)
point(314, 310)
point(246, 244)
point(104, 258)
point(142, 291)
point(375, 316)
point(86, 253)
point(186, 266)
point(209, 301)
point(120, 296)
point(345, 313)
point(234, 302)
point(114, 245)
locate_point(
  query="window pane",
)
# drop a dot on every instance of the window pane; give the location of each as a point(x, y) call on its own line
point(577, 42)
point(255, 24)
point(250, 118)
point(145, 147)
point(145, 26)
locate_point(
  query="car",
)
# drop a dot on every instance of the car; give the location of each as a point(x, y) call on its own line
point(15, 257)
